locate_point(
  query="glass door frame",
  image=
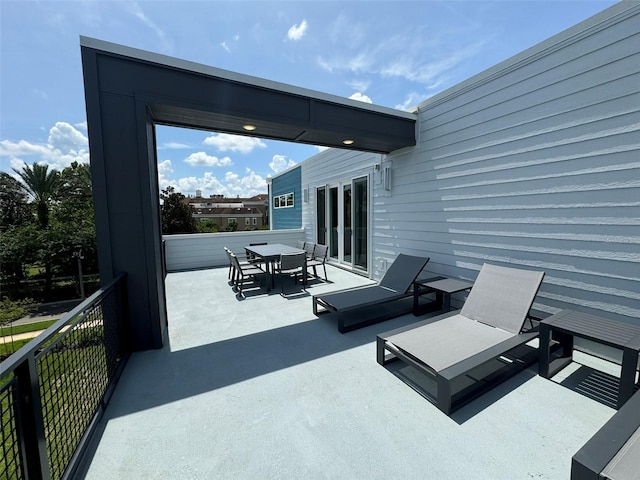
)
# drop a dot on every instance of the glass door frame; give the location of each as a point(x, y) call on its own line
point(339, 252)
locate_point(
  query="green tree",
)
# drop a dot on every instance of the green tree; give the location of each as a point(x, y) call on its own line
point(41, 183)
point(18, 247)
point(65, 225)
point(14, 208)
point(176, 214)
point(208, 225)
point(74, 221)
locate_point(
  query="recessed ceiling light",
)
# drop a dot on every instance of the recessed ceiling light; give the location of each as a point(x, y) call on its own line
point(249, 127)
point(348, 141)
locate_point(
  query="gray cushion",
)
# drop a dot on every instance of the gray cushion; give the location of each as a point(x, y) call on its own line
point(502, 296)
point(625, 464)
point(445, 342)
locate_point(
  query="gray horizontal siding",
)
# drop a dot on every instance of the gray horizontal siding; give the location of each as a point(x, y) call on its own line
point(535, 165)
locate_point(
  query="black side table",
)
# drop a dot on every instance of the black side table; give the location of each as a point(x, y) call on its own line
point(444, 288)
point(568, 324)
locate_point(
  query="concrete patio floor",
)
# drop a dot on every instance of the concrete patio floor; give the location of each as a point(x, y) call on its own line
point(262, 389)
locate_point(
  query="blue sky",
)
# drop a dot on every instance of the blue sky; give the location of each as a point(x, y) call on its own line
point(390, 53)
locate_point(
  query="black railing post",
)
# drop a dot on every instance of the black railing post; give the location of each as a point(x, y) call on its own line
point(33, 445)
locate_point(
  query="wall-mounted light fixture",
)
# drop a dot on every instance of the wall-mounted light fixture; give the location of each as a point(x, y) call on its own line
point(387, 178)
point(305, 195)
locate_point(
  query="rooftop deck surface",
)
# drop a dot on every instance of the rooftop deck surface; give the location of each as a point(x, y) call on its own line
point(261, 388)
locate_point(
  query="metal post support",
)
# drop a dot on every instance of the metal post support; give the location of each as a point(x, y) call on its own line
point(33, 444)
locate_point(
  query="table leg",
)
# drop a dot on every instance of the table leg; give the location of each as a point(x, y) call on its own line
point(267, 269)
point(545, 353)
point(416, 296)
point(627, 376)
point(446, 302)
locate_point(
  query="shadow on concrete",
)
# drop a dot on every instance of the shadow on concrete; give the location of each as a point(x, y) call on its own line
point(425, 386)
point(157, 377)
point(594, 384)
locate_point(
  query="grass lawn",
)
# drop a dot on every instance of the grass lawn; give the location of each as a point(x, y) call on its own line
point(29, 327)
point(7, 347)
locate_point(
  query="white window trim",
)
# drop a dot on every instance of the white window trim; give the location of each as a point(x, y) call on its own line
point(283, 200)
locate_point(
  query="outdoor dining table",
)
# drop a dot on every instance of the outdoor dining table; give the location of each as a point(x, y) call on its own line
point(270, 253)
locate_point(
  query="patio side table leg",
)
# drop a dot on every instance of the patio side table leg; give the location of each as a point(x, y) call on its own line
point(627, 376)
point(545, 354)
point(446, 302)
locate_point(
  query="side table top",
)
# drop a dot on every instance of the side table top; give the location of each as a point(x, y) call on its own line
point(598, 328)
point(447, 285)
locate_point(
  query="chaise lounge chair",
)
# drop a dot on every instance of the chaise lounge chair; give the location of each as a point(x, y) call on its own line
point(613, 452)
point(458, 348)
point(372, 304)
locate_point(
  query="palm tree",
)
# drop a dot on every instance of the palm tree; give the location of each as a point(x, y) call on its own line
point(41, 183)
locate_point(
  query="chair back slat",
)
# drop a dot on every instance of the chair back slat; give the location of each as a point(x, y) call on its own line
point(320, 252)
point(292, 261)
point(502, 296)
point(402, 272)
point(310, 248)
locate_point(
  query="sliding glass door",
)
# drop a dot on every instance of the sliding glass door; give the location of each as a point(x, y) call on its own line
point(342, 212)
point(360, 222)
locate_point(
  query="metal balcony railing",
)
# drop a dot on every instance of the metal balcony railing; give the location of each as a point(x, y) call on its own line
point(54, 388)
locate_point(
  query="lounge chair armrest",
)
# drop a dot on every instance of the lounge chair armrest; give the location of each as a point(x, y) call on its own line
point(596, 454)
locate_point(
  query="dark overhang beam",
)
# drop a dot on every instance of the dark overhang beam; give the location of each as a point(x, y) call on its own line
point(192, 95)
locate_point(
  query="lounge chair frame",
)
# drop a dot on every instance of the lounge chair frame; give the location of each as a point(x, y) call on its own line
point(592, 459)
point(373, 303)
point(461, 381)
point(449, 397)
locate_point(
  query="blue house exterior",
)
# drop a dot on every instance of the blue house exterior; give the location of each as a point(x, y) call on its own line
point(286, 200)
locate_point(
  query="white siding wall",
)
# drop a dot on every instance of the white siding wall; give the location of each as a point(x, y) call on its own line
point(534, 163)
point(205, 250)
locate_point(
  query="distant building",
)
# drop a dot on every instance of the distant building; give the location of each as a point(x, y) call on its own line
point(248, 213)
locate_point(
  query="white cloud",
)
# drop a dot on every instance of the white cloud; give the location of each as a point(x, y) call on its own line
point(200, 159)
point(23, 148)
point(412, 100)
point(64, 136)
point(234, 143)
point(280, 163)
point(345, 31)
point(173, 146)
point(231, 186)
point(166, 45)
point(226, 47)
point(360, 85)
point(360, 97)
point(165, 169)
point(65, 145)
point(422, 58)
point(247, 186)
point(296, 32)
point(363, 62)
